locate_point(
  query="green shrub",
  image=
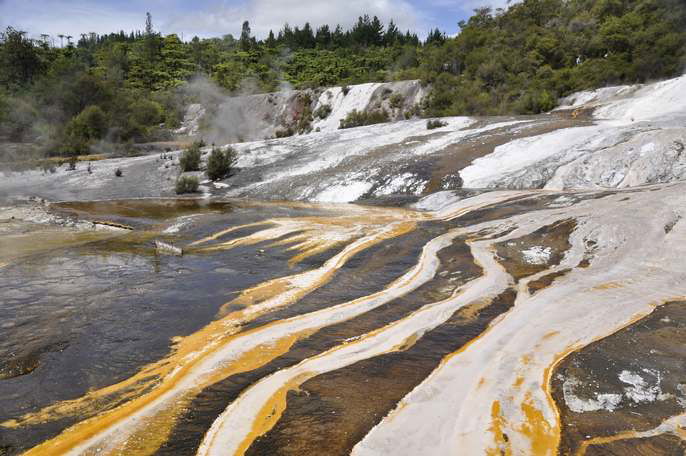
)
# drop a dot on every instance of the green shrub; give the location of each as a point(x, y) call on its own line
point(83, 130)
point(284, 132)
point(396, 101)
point(357, 118)
point(432, 124)
point(90, 124)
point(220, 162)
point(147, 112)
point(190, 158)
point(187, 184)
point(323, 111)
point(414, 111)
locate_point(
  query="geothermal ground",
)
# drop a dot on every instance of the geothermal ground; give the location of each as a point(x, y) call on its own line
point(505, 286)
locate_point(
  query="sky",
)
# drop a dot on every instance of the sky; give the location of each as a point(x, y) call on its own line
point(209, 18)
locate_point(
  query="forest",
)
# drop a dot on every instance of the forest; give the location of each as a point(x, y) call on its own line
point(63, 96)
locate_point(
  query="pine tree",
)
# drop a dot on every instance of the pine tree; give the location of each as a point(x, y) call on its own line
point(148, 24)
point(392, 34)
point(338, 37)
point(246, 37)
point(270, 42)
point(435, 37)
point(323, 36)
point(375, 32)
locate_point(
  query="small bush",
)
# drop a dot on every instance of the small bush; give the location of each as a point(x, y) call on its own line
point(323, 111)
point(435, 123)
point(414, 111)
point(90, 124)
point(396, 101)
point(357, 118)
point(187, 184)
point(118, 172)
point(284, 132)
point(220, 163)
point(146, 112)
point(190, 158)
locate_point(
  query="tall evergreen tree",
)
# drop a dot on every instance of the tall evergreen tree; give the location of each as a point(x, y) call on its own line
point(392, 34)
point(376, 32)
point(270, 42)
point(323, 36)
point(246, 36)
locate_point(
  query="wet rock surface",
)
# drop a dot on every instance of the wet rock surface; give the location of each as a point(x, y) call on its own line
point(630, 381)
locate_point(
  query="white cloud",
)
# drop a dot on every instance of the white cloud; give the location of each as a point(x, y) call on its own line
point(264, 15)
point(71, 17)
point(206, 19)
point(468, 6)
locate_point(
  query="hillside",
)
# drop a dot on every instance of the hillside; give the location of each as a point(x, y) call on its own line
point(616, 137)
point(106, 92)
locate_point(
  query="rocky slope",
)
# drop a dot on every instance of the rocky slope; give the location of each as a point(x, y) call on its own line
point(637, 137)
point(610, 138)
point(253, 117)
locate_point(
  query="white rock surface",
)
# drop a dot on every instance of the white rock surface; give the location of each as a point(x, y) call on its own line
point(638, 138)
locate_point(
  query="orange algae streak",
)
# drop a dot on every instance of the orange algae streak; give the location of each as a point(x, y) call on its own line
point(147, 440)
point(271, 412)
point(502, 442)
point(544, 438)
point(608, 286)
point(550, 335)
point(156, 431)
point(274, 287)
point(225, 232)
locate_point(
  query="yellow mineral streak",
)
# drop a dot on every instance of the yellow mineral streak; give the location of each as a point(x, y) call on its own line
point(543, 436)
point(147, 439)
point(608, 286)
point(293, 284)
point(673, 425)
point(502, 443)
point(550, 335)
point(276, 404)
point(271, 412)
point(224, 232)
